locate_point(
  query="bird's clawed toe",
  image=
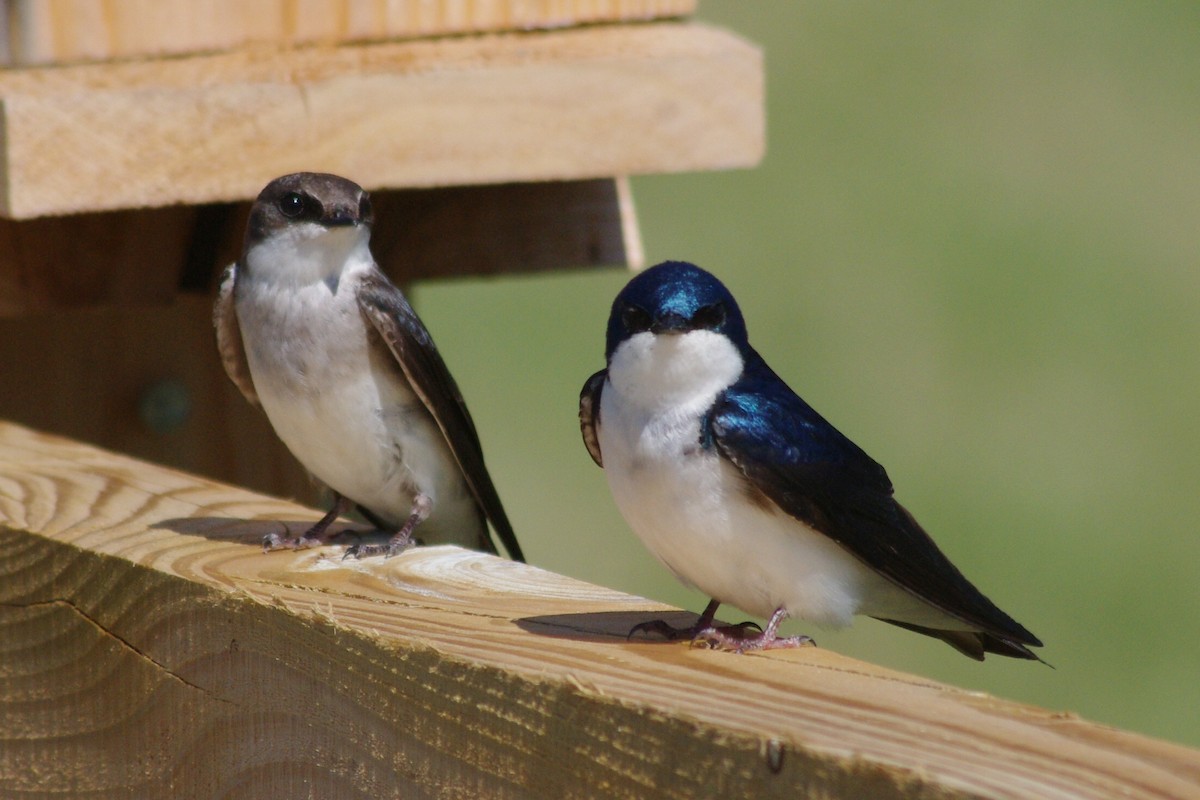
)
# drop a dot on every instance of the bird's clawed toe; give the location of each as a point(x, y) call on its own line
point(721, 639)
point(393, 547)
point(273, 541)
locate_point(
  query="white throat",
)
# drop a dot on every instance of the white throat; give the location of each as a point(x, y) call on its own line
point(664, 371)
point(306, 253)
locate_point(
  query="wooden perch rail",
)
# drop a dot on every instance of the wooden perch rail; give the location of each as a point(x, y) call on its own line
point(149, 649)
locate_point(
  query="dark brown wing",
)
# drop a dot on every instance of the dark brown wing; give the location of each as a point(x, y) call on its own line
point(229, 337)
point(389, 312)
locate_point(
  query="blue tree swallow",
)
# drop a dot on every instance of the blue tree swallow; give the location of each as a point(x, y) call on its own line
point(743, 491)
point(312, 331)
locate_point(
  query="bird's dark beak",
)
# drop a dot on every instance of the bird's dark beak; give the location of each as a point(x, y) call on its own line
point(670, 323)
point(341, 216)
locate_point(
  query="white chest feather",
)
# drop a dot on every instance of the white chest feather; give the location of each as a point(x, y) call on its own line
point(336, 397)
point(694, 510)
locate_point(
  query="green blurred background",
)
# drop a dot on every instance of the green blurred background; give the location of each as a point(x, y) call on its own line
point(973, 246)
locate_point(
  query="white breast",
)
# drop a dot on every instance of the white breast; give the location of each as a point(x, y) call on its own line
point(343, 408)
point(691, 507)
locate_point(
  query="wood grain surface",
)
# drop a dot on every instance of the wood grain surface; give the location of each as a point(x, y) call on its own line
point(148, 648)
point(58, 31)
point(590, 102)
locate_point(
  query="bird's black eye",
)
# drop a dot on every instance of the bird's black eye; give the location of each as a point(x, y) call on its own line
point(635, 319)
point(365, 213)
point(709, 317)
point(292, 205)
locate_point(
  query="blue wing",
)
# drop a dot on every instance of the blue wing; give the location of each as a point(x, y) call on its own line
point(789, 453)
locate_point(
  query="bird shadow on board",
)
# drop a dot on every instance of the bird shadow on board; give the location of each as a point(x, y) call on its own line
point(253, 531)
point(605, 626)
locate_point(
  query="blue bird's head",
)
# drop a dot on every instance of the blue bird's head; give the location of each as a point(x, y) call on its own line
point(675, 297)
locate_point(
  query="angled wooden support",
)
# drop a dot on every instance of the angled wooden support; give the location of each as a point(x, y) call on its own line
point(149, 649)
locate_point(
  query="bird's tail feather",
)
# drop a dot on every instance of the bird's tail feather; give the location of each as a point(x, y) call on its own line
point(973, 644)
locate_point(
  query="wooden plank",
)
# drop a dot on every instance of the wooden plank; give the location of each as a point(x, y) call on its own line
point(59, 31)
point(148, 647)
point(572, 104)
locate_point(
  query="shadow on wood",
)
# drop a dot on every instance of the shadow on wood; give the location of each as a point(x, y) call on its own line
point(601, 626)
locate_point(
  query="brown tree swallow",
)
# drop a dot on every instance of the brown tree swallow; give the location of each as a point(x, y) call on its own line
point(311, 330)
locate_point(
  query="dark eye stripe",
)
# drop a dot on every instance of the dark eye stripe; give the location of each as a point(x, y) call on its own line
point(635, 319)
point(709, 317)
